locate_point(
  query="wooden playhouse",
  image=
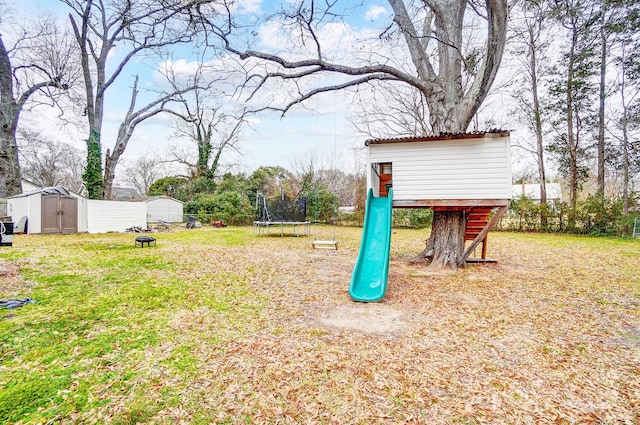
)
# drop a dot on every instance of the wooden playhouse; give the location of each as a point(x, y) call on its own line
point(469, 172)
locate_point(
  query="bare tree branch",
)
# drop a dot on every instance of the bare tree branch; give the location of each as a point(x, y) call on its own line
point(439, 78)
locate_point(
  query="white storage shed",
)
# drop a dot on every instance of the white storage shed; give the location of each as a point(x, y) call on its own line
point(57, 210)
point(49, 210)
point(164, 208)
point(27, 186)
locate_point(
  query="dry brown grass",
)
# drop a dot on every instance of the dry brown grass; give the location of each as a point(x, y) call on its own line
point(548, 335)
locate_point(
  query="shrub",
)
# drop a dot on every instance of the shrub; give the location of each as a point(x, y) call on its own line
point(203, 204)
point(596, 216)
point(232, 208)
point(412, 217)
point(176, 187)
point(322, 206)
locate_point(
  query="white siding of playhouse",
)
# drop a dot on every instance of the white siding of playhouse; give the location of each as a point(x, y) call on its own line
point(164, 209)
point(115, 216)
point(448, 169)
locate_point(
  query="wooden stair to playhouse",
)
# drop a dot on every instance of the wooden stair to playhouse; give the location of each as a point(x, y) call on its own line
point(479, 222)
point(477, 218)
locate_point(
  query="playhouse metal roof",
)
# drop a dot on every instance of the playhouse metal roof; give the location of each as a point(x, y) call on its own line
point(442, 136)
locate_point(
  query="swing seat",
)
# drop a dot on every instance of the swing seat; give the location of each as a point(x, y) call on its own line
point(318, 244)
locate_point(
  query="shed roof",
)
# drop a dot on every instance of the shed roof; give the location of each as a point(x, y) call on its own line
point(494, 133)
point(125, 194)
point(155, 198)
point(52, 190)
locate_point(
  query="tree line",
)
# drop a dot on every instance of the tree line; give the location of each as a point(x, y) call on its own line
point(577, 93)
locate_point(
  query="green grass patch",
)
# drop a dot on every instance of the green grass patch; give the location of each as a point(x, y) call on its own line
point(228, 236)
point(102, 306)
point(30, 392)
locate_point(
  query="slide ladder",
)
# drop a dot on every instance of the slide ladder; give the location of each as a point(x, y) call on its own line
point(371, 272)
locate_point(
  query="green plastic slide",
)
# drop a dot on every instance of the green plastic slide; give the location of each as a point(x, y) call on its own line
point(371, 272)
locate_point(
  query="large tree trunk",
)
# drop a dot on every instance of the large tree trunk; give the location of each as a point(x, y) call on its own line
point(122, 139)
point(446, 243)
point(10, 179)
point(626, 163)
point(92, 175)
point(571, 136)
point(109, 175)
point(113, 158)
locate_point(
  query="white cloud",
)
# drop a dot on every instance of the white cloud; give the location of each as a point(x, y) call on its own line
point(375, 12)
point(180, 68)
point(272, 36)
point(226, 71)
point(251, 6)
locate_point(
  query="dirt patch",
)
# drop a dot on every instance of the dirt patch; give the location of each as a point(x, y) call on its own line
point(371, 318)
point(10, 279)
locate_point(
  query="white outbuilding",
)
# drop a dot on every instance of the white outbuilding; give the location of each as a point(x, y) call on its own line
point(58, 210)
point(164, 208)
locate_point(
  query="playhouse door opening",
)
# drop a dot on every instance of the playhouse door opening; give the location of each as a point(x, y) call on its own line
point(385, 178)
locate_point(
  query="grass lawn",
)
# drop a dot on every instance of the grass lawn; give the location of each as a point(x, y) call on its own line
point(220, 326)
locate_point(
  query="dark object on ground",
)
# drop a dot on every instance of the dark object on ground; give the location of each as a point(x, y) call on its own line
point(218, 223)
point(16, 303)
point(145, 240)
point(191, 222)
point(6, 232)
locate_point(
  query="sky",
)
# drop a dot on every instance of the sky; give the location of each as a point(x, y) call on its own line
point(320, 130)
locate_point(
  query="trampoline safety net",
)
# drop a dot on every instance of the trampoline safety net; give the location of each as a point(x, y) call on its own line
point(281, 209)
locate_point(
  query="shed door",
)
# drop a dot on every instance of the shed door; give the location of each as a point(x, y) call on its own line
point(50, 214)
point(69, 215)
point(385, 178)
point(59, 215)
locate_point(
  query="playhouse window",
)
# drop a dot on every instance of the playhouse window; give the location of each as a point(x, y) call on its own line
point(385, 168)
